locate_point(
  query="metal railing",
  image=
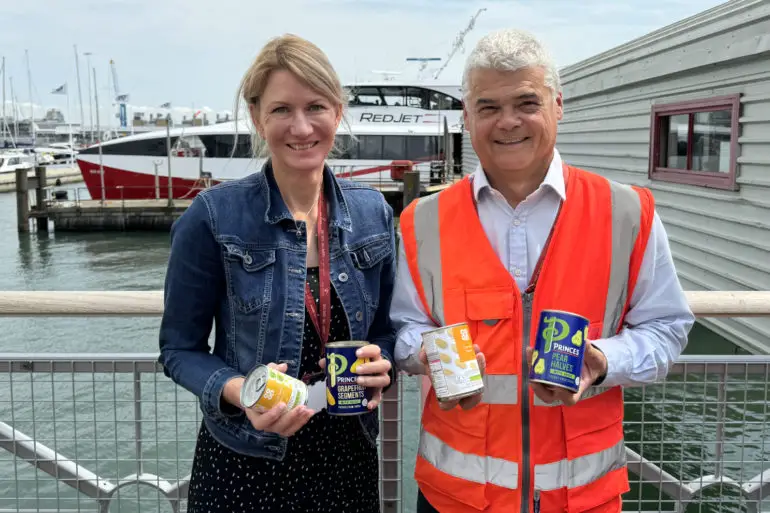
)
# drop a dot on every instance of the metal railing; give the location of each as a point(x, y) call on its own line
point(108, 432)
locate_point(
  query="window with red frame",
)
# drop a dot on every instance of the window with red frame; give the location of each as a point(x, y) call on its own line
point(696, 142)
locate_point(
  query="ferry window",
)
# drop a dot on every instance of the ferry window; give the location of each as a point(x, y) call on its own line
point(153, 147)
point(422, 147)
point(221, 146)
point(365, 96)
point(393, 147)
point(345, 147)
point(696, 142)
point(417, 98)
point(392, 96)
point(370, 147)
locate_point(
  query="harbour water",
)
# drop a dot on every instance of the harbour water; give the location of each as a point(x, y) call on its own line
point(136, 261)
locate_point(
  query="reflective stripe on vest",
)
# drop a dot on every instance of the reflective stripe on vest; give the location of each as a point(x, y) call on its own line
point(579, 471)
point(471, 467)
point(626, 212)
point(550, 476)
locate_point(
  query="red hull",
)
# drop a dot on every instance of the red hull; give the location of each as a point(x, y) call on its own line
point(121, 184)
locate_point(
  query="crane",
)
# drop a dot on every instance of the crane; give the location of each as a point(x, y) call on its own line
point(458, 43)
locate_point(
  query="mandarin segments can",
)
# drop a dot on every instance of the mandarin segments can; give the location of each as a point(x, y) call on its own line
point(454, 371)
point(559, 349)
point(265, 387)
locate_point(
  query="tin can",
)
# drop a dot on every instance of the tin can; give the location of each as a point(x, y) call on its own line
point(559, 349)
point(454, 371)
point(343, 395)
point(265, 387)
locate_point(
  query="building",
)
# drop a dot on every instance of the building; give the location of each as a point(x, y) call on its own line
point(685, 111)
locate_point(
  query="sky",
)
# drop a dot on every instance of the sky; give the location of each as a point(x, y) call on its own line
point(193, 53)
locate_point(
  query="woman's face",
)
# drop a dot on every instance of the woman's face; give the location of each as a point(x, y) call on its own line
point(297, 123)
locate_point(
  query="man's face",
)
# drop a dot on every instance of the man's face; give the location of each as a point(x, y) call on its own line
point(512, 117)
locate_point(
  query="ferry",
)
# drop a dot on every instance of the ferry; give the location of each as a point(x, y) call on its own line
point(390, 127)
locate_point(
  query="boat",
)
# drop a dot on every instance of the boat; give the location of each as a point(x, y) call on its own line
point(391, 126)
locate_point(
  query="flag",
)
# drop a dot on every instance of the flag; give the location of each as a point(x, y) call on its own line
point(166, 105)
point(62, 89)
point(121, 98)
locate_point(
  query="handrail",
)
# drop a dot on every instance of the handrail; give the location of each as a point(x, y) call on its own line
point(150, 303)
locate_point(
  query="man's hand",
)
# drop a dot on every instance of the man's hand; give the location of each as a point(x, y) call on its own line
point(465, 403)
point(373, 375)
point(594, 366)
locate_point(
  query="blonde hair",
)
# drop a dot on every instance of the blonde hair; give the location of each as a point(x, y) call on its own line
point(306, 61)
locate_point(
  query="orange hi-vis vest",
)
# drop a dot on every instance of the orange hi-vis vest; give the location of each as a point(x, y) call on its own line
point(512, 452)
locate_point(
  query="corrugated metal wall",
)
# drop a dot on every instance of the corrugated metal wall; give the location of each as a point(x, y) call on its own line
point(720, 239)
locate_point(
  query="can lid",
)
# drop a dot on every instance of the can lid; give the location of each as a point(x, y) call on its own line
point(253, 385)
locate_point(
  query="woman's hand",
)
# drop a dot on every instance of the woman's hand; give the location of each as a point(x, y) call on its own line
point(374, 373)
point(277, 419)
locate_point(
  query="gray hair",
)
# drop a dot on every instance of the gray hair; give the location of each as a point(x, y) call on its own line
point(511, 50)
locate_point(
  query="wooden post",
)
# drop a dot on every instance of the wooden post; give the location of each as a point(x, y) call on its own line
point(411, 187)
point(42, 182)
point(22, 201)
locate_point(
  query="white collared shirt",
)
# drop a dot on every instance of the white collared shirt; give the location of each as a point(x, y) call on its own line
point(659, 319)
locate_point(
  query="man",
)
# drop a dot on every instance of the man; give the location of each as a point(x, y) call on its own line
point(525, 233)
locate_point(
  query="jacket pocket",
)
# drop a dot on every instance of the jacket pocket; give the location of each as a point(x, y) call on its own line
point(249, 276)
point(367, 259)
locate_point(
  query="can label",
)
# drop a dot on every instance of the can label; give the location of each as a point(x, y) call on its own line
point(559, 349)
point(454, 371)
point(265, 387)
point(343, 395)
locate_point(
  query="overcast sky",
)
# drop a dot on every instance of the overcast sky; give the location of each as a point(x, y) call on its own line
point(194, 52)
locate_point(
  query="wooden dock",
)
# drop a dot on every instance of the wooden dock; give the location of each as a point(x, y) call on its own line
point(117, 215)
point(76, 215)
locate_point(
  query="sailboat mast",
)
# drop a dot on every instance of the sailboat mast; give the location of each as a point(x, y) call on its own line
point(80, 94)
point(5, 123)
point(31, 105)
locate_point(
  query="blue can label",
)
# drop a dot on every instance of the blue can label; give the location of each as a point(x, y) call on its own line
point(343, 395)
point(559, 349)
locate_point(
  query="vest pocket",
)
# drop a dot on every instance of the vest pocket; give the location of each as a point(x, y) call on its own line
point(489, 314)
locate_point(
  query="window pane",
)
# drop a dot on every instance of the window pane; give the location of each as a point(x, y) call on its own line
point(421, 147)
point(711, 141)
point(673, 152)
point(370, 147)
point(394, 147)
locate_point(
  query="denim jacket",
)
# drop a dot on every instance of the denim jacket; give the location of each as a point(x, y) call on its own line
point(238, 259)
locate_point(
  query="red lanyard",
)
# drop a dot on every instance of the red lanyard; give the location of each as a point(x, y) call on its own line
point(321, 319)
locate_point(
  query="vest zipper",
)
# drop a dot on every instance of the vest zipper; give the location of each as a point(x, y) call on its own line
point(526, 300)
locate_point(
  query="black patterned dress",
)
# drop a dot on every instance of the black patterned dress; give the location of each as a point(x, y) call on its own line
point(329, 465)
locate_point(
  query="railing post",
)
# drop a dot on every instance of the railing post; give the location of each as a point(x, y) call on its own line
point(42, 182)
point(411, 187)
point(22, 200)
point(390, 437)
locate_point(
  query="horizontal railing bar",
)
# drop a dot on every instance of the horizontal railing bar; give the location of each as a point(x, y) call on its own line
point(121, 363)
point(150, 303)
point(116, 363)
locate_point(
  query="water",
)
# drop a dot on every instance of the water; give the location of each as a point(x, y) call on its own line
point(136, 261)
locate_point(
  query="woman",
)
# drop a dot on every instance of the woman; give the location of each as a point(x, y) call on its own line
point(263, 256)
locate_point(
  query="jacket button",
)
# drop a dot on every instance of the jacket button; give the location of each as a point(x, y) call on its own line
point(359, 316)
point(247, 259)
point(343, 277)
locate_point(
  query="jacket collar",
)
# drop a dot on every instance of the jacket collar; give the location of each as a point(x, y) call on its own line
point(277, 211)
